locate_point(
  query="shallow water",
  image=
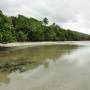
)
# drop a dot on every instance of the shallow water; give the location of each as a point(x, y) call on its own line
point(56, 67)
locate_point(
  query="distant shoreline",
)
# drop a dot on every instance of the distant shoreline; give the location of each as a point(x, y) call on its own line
point(31, 44)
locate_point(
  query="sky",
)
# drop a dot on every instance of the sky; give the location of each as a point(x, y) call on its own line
point(69, 14)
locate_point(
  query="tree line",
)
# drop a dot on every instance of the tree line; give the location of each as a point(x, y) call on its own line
point(21, 28)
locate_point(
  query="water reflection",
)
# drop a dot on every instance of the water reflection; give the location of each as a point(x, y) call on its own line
point(29, 58)
point(64, 67)
point(79, 57)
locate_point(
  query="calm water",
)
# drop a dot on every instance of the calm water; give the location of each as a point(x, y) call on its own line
point(56, 67)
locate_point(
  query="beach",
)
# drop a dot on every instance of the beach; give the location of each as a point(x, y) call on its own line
point(22, 44)
point(31, 44)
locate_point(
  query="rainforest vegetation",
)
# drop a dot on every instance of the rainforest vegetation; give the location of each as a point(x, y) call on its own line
point(21, 28)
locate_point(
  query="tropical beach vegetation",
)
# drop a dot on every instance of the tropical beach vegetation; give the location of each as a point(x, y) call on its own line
point(21, 28)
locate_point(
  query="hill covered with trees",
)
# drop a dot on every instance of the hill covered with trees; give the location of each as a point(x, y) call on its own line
point(21, 28)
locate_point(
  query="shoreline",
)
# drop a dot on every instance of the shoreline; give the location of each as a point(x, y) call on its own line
point(30, 44)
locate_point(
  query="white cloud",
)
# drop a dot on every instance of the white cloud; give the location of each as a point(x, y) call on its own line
point(73, 14)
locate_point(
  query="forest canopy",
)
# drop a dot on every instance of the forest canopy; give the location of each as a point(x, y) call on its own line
point(22, 28)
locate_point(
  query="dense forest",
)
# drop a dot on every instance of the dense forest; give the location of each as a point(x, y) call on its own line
point(21, 28)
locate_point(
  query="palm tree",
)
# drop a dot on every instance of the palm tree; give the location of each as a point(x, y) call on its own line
point(45, 21)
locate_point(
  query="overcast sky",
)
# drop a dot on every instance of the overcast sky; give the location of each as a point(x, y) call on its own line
point(73, 14)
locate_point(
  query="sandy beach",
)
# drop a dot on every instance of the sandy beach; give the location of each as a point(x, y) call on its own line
point(22, 44)
point(30, 44)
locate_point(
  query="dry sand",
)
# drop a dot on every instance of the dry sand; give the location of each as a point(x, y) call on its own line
point(30, 44)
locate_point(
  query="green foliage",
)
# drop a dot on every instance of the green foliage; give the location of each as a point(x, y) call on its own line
point(6, 29)
point(21, 36)
point(36, 32)
point(22, 28)
point(1, 36)
point(49, 34)
point(8, 36)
